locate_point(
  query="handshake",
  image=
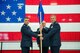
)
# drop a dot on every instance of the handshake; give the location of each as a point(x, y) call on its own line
point(40, 35)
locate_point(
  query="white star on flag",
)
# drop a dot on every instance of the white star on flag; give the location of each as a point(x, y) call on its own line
point(2, 13)
point(19, 19)
point(14, 13)
point(8, 6)
point(19, 7)
point(8, 19)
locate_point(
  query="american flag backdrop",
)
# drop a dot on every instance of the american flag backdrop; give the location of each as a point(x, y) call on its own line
point(13, 12)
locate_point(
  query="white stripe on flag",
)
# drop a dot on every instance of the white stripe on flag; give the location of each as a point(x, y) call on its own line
point(49, 9)
point(15, 27)
point(65, 46)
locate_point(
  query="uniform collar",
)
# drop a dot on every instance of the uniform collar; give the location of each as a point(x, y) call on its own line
point(44, 27)
point(54, 22)
point(25, 24)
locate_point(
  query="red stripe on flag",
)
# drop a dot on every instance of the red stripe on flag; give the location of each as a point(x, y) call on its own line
point(48, 2)
point(70, 36)
point(12, 36)
point(68, 2)
point(60, 17)
point(36, 2)
point(37, 51)
point(65, 36)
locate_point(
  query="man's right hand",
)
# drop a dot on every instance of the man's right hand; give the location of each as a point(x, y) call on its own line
point(41, 38)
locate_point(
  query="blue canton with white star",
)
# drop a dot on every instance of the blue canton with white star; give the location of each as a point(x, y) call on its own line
point(12, 11)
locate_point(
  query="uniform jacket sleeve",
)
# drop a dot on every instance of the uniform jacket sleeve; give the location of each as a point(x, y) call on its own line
point(55, 28)
point(28, 32)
